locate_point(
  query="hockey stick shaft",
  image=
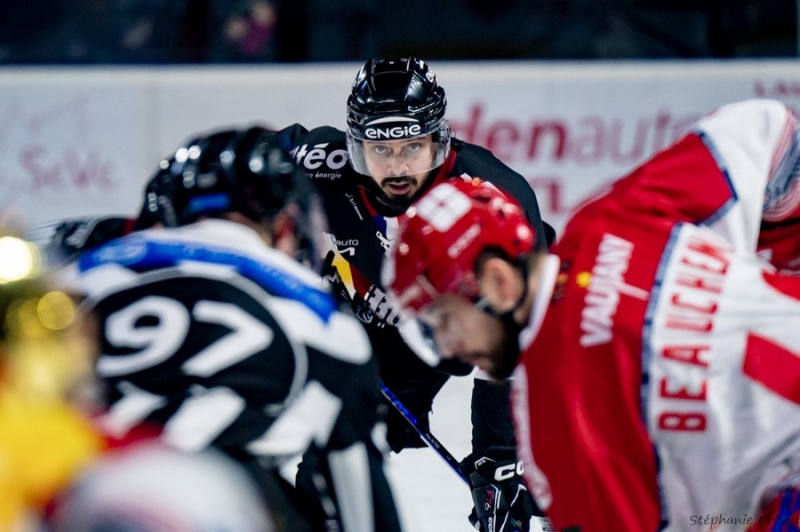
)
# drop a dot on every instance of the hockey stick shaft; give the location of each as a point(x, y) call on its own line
point(425, 434)
point(437, 446)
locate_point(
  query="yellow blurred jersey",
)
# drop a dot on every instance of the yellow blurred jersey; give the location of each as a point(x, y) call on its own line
point(42, 446)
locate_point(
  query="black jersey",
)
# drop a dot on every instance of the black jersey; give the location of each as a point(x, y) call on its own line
point(362, 235)
point(359, 230)
point(226, 343)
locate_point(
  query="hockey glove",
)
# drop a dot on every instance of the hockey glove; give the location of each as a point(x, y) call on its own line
point(502, 502)
point(74, 236)
point(400, 434)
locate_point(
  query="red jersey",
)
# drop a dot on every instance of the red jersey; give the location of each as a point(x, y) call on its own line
point(660, 388)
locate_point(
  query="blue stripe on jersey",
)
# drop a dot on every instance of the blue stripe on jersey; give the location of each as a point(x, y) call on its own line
point(380, 221)
point(712, 148)
point(140, 254)
point(647, 357)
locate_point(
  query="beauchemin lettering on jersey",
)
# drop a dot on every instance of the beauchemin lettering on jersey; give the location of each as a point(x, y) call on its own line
point(691, 304)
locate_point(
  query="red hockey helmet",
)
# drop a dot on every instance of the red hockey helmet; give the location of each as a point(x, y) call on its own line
point(446, 231)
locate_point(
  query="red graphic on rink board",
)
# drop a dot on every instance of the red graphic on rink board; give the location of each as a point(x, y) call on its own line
point(47, 151)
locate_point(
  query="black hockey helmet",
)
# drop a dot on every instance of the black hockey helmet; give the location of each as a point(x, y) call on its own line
point(396, 99)
point(249, 171)
point(158, 195)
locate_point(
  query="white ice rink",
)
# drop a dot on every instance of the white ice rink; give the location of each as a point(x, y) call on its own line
point(431, 497)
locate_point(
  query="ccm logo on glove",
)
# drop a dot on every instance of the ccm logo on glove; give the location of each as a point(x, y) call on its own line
point(508, 471)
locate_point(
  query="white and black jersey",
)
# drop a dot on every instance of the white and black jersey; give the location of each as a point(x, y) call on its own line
point(227, 343)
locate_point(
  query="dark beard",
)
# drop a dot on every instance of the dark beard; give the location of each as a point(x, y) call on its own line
point(392, 207)
point(403, 201)
point(508, 351)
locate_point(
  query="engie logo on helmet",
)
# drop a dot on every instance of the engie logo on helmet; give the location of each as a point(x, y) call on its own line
point(389, 128)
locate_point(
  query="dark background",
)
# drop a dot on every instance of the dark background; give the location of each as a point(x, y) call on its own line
point(254, 31)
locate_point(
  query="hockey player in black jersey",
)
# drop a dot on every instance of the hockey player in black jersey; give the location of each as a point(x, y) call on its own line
point(212, 334)
point(396, 146)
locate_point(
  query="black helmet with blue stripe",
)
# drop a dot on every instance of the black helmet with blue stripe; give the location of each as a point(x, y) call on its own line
point(248, 171)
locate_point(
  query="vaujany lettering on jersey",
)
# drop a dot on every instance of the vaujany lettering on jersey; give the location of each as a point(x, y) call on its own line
point(606, 284)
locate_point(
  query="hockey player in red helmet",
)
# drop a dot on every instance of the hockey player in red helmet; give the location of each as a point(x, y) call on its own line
point(475, 215)
point(431, 270)
point(655, 380)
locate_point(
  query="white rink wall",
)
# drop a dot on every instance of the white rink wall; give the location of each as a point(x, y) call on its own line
point(77, 141)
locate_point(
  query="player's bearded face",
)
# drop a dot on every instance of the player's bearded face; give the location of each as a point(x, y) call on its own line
point(462, 330)
point(400, 167)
